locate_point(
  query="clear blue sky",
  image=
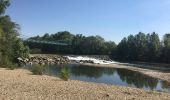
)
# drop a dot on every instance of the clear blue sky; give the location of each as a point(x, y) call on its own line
point(111, 19)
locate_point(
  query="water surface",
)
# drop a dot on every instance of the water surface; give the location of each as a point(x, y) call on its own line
point(116, 76)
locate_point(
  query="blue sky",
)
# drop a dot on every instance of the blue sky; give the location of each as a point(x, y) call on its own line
point(111, 19)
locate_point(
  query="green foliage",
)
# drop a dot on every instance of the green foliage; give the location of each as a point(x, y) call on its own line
point(64, 74)
point(5, 63)
point(144, 47)
point(166, 40)
point(37, 69)
point(165, 51)
point(154, 47)
point(12, 66)
point(80, 44)
point(35, 51)
point(20, 49)
point(3, 5)
point(11, 47)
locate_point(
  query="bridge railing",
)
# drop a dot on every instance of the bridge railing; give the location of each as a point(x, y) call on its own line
point(47, 42)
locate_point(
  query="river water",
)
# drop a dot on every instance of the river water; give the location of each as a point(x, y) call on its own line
point(114, 76)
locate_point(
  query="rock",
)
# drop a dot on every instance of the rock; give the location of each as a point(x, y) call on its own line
point(20, 59)
point(45, 59)
point(30, 63)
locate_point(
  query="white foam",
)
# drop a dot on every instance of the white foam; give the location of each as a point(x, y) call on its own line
point(96, 61)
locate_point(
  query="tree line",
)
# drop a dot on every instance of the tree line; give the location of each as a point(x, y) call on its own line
point(11, 47)
point(140, 47)
point(80, 44)
point(144, 47)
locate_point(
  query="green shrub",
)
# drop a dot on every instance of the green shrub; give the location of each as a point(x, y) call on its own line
point(37, 70)
point(6, 63)
point(64, 74)
point(12, 66)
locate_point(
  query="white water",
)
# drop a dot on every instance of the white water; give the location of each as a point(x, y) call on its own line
point(96, 61)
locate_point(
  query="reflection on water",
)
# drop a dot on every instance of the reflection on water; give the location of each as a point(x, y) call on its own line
point(115, 76)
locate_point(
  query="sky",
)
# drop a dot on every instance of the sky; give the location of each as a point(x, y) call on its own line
point(111, 19)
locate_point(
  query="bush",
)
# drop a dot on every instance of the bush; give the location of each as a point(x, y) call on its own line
point(64, 74)
point(37, 70)
point(12, 66)
point(6, 63)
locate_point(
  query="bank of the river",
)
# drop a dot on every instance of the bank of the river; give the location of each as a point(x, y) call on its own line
point(20, 84)
point(152, 73)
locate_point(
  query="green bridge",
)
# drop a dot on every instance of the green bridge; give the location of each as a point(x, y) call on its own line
point(48, 42)
point(58, 42)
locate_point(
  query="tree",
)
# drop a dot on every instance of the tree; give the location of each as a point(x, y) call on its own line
point(3, 5)
point(166, 48)
point(166, 40)
point(154, 47)
point(46, 36)
point(122, 50)
point(64, 36)
point(140, 40)
point(77, 44)
point(109, 48)
point(11, 47)
point(140, 47)
point(131, 48)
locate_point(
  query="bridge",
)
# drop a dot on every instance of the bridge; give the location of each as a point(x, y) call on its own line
point(59, 42)
point(47, 42)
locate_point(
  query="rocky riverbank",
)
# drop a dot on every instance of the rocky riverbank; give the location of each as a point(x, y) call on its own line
point(44, 59)
point(20, 84)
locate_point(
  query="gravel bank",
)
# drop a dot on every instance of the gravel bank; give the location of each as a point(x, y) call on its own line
point(20, 84)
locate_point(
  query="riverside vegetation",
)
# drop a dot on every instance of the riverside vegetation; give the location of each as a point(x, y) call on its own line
point(40, 69)
point(37, 69)
point(64, 74)
point(11, 47)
